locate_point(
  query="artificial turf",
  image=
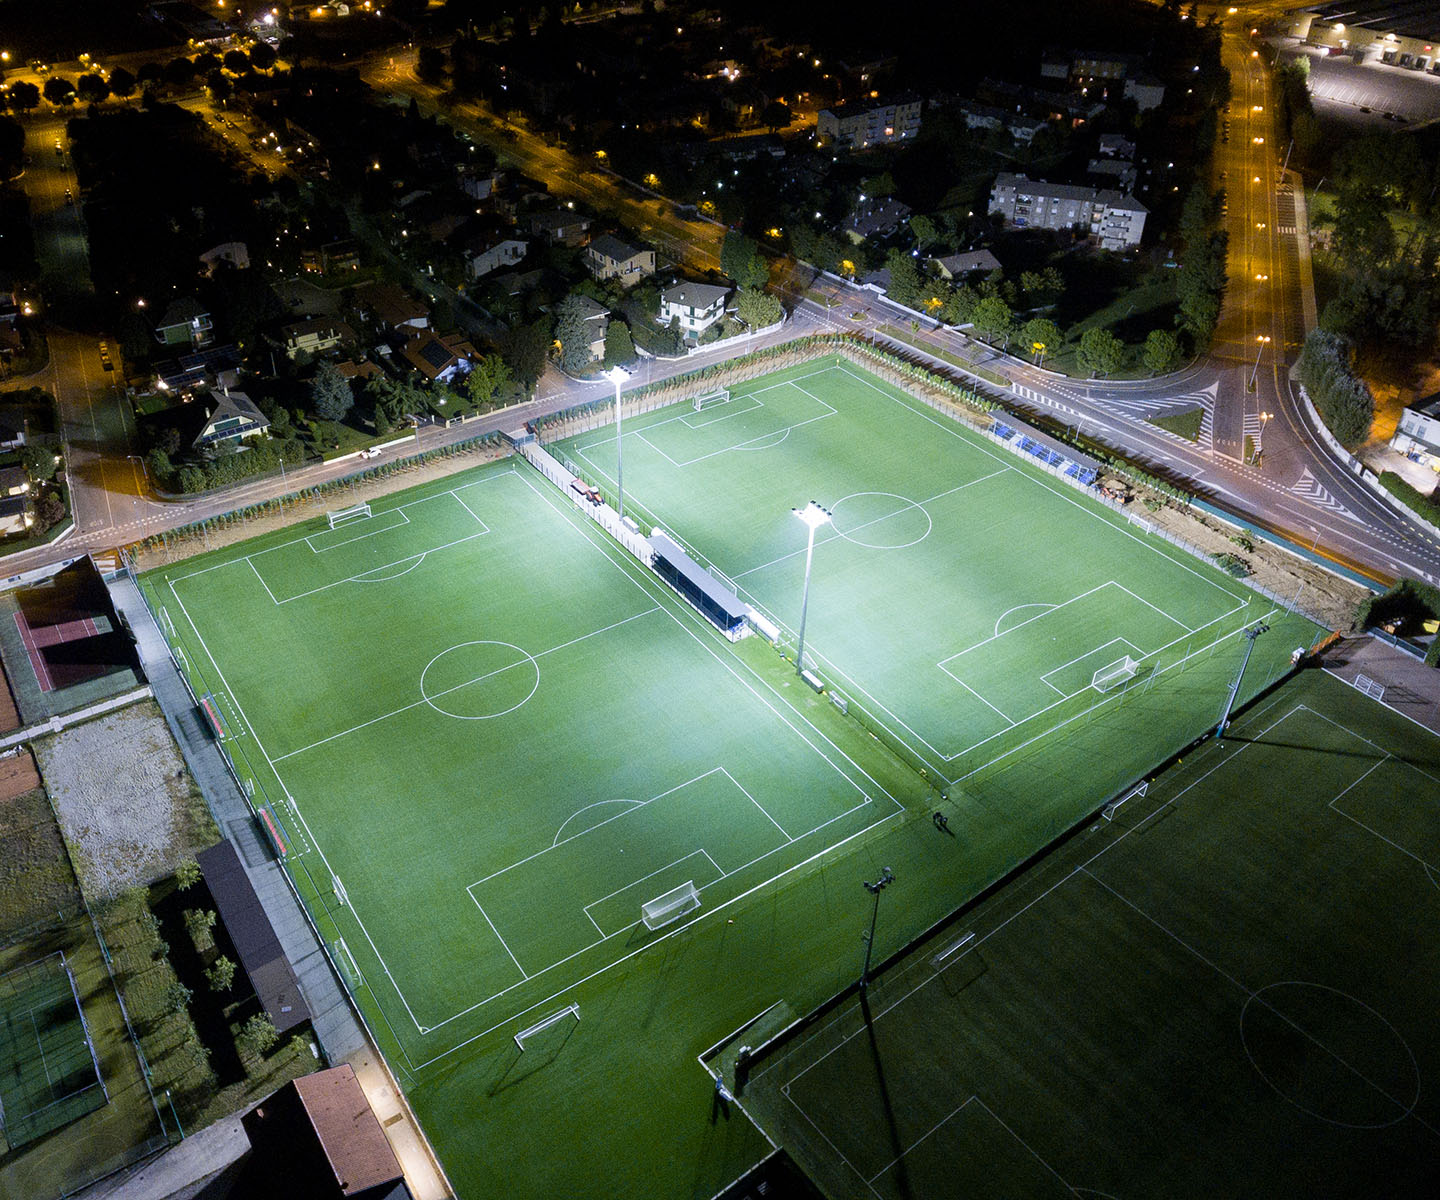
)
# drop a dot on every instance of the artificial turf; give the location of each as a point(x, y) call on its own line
point(1216, 993)
point(486, 735)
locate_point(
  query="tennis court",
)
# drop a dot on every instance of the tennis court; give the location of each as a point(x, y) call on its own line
point(1216, 993)
point(963, 598)
point(468, 700)
point(48, 1073)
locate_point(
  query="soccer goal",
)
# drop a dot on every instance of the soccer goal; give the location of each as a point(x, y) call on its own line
point(673, 905)
point(1363, 683)
point(343, 516)
point(540, 1026)
point(1120, 671)
point(709, 399)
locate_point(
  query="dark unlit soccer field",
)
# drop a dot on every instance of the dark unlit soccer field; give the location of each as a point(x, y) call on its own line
point(486, 735)
point(1219, 993)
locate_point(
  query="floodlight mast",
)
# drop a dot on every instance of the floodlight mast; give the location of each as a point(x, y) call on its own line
point(1249, 635)
point(887, 877)
point(814, 516)
point(617, 376)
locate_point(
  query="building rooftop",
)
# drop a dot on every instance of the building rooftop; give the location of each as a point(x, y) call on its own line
point(1406, 18)
point(693, 295)
point(609, 246)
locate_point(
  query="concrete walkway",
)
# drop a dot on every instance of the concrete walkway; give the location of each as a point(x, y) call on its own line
point(337, 1028)
point(56, 724)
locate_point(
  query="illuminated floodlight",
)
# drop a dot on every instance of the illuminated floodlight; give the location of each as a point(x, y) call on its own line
point(617, 376)
point(813, 515)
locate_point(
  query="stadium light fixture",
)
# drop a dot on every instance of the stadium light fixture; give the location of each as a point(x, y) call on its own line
point(617, 376)
point(887, 877)
point(814, 516)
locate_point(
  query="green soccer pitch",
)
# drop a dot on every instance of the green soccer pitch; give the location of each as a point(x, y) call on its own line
point(486, 735)
point(964, 598)
point(467, 701)
point(1215, 994)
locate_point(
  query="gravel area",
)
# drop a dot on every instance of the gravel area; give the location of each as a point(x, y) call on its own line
point(127, 806)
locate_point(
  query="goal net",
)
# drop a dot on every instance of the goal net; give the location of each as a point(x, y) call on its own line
point(707, 399)
point(540, 1026)
point(342, 516)
point(673, 905)
point(1112, 676)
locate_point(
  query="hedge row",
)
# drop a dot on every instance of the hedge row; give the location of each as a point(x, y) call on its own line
point(1341, 397)
point(1411, 497)
point(311, 494)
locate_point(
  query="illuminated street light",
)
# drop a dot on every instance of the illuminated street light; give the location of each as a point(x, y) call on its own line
point(1263, 341)
point(814, 516)
point(1260, 437)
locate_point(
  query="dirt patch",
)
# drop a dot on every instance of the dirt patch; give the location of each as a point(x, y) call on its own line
point(129, 810)
point(36, 883)
point(9, 714)
point(17, 774)
point(1325, 597)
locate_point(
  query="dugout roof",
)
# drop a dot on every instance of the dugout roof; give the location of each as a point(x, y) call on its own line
point(261, 955)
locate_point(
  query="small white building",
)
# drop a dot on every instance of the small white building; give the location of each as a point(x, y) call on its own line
point(696, 306)
point(1417, 436)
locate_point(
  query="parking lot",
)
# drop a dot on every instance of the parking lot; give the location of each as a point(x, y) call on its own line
point(1371, 94)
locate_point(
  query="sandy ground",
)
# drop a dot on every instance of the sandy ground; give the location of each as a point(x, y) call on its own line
point(126, 804)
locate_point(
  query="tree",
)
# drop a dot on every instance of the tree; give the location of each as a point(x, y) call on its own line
point(146, 75)
point(430, 64)
point(1040, 336)
point(1161, 352)
point(177, 996)
point(258, 1034)
point(262, 56)
point(959, 306)
point(1101, 352)
point(179, 71)
point(756, 308)
point(574, 333)
point(198, 924)
point(122, 83)
point(993, 319)
point(488, 379)
point(40, 462)
point(187, 874)
point(741, 259)
point(525, 349)
point(220, 974)
point(92, 88)
point(925, 232)
point(775, 116)
point(24, 97)
point(207, 62)
point(619, 345)
point(237, 62)
point(160, 466)
point(49, 511)
point(190, 480)
point(219, 87)
point(330, 394)
point(58, 91)
point(1042, 288)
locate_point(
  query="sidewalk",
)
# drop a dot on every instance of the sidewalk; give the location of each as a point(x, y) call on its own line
point(337, 1028)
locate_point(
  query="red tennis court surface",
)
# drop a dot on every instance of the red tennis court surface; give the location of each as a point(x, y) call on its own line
point(53, 635)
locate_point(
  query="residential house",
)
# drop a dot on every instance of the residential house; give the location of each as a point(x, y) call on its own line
point(14, 481)
point(696, 306)
point(489, 247)
point(863, 125)
point(340, 256)
point(1115, 220)
point(560, 226)
point(9, 304)
point(478, 184)
point(233, 254)
point(230, 417)
point(15, 514)
point(1113, 171)
point(957, 266)
point(351, 370)
point(1147, 91)
point(316, 336)
point(435, 214)
point(1417, 436)
point(441, 359)
point(12, 429)
point(184, 323)
point(393, 307)
point(215, 366)
point(1116, 145)
point(876, 218)
point(607, 257)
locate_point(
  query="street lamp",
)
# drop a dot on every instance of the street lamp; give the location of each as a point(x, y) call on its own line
point(1039, 349)
point(617, 376)
point(814, 516)
point(1260, 437)
point(1263, 341)
point(887, 877)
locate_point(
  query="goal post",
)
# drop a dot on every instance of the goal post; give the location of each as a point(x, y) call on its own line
point(540, 1026)
point(1109, 677)
point(717, 396)
point(671, 906)
point(342, 516)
